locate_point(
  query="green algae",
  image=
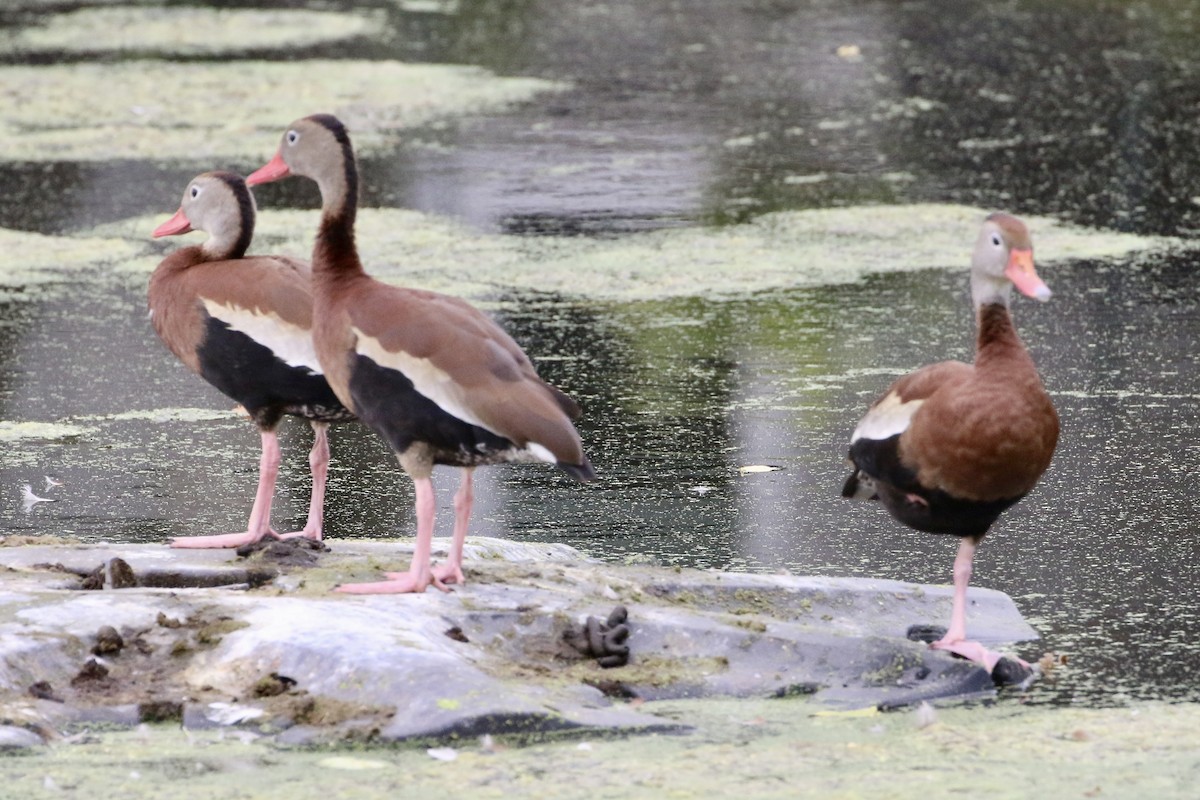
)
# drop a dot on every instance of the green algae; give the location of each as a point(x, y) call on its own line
point(212, 113)
point(35, 260)
point(165, 415)
point(747, 748)
point(777, 251)
point(185, 31)
point(17, 431)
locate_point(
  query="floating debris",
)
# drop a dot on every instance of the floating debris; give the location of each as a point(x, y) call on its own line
point(231, 713)
point(442, 753)
point(752, 469)
point(29, 499)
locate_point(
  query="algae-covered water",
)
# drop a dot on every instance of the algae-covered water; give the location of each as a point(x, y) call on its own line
point(743, 748)
point(724, 229)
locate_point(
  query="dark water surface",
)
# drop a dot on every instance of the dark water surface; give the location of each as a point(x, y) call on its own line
point(712, 112)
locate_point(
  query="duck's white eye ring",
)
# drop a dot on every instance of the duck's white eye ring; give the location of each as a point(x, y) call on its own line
point(292, 137)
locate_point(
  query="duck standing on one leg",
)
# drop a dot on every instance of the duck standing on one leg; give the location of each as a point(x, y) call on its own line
point(952, 445)
point(438, 380)
point(244, 324)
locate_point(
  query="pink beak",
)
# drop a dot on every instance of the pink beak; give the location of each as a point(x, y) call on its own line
point(176, 224)
point(1021, 272)
point(273, 170)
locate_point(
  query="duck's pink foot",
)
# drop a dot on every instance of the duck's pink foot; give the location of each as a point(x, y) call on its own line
point(312, 534)
point(450, 572)
point(221, 540)
point(1005, 670)
point(397, 583)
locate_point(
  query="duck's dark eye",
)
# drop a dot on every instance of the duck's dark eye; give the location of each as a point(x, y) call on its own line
point(996, 240)
point(195, 192)
point(292, 137)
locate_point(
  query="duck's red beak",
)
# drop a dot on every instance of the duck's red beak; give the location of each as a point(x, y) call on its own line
point(273, 170)
point(176, 224)
point(1021, 272)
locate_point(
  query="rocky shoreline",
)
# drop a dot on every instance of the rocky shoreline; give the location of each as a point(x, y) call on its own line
point(140, 633)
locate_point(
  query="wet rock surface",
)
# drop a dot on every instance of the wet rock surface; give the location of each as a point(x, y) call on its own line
point(539, 640)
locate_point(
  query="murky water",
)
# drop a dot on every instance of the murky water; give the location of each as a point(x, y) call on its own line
point(702, 113)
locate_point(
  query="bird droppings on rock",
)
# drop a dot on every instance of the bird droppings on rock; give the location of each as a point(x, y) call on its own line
point(273, 685)
point(298, 552)
point(108, 641)
point(160, 711)
point(42, 690)
point(120, 575)
point(93, 672)
point(604, 641)
point(113, 574)
point(457, 634)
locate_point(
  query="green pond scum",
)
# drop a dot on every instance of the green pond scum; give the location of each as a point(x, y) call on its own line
point(744, 748)
point(103, 111)
point(782, 250)
point(183, 31)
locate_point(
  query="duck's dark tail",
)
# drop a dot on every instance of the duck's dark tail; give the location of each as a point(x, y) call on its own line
point(580, 472)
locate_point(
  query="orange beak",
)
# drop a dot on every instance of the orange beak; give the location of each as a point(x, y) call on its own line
point(1021, 272)
point(176, 224)
point(273, 170)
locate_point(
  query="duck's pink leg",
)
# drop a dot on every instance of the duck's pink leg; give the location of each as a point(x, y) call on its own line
point(956, 641)
point(963, 562)
point(260, 515)
point(318, 462)
point(464, 498)
point(419, 576)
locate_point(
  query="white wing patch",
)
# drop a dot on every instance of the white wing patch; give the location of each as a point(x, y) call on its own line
point(541, 453)
point(291, 343)
point(435, 384)
point(888, 418)
point(426, 378)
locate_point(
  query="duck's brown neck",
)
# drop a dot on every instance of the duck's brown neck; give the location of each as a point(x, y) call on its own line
point(334, 252)
point(996, 338)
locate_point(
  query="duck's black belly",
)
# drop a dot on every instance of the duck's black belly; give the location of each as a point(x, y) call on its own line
point(895, 486)
point(941, 512)
point(263, 383)
point(387, 401)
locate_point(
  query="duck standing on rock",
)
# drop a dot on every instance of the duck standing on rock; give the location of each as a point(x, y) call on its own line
point(438, 380)
point(244, 324)
point(951, 446)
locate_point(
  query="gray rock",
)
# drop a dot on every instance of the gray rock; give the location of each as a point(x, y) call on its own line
point(493, 656)
point(14, 738)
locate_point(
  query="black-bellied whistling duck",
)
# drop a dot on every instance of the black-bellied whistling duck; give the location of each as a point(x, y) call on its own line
point(950, 446)
point(438, 380)
point(244, 324)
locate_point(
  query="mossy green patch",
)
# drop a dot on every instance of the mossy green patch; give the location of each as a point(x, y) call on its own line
point(32, 260)
point(165, 415)
point(777, 251)
point(185, 31)
point(212, 113)
point(752, 748)
point(17, 431)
